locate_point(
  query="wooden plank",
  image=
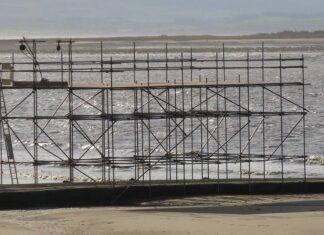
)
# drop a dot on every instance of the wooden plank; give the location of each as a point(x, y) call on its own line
point(9, 148)
point(194, 84)
point(131, 86)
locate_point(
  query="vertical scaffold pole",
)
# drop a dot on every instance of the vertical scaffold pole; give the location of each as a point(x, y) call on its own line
point(240, 126)
point(201, 132)
point(149, 121)
point(176, 131)
point(113, 121)
point(249, 118)
point(191, 117)
point(263, 122)
point(225, 110)
point(217, 120)
point(35, 113)
point(71, 124)
point(281, 121)
point(62, 69)
point(183, 123)
point(304, 118)
point(167, 120)
point(109, 123)
point(136, 174)
point(142, 137)
point(103, 121)
point(207, 132)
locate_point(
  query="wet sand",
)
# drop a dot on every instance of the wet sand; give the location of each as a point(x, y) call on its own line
point(286, 214)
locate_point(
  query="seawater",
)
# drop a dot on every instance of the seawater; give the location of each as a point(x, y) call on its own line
point(124, 138)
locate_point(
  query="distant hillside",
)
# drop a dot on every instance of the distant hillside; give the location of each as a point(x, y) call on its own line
point(182, 38)
point(289, 34)
point(300, 41)
point(280, 35)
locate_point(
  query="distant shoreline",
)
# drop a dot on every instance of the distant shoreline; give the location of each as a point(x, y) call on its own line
point(274, 42)
point(203, 37)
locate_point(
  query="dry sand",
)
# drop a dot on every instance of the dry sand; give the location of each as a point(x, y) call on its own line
point(287, 214)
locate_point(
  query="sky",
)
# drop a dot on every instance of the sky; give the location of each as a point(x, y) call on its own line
point(48, 18)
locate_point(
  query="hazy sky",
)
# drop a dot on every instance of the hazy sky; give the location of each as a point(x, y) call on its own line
point(156, 17)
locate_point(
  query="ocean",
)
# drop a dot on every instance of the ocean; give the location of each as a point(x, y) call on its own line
point(50, 100)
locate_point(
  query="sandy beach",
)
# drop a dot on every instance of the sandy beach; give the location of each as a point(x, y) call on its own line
point(285, 214)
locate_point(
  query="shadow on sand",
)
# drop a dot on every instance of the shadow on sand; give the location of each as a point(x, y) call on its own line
point(282, 207)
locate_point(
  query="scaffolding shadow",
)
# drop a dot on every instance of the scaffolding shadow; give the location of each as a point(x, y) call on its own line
point(266, 208)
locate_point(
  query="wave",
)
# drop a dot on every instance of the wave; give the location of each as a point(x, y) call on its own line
point(315, 160)
point(269, 173)
point(49, 177)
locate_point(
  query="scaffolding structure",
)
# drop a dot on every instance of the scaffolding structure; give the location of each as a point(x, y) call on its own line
point(143, 117)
